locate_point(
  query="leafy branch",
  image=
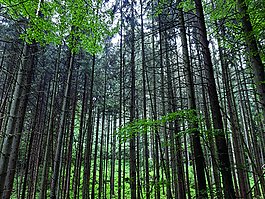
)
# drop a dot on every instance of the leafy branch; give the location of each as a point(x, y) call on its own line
point(142, 126)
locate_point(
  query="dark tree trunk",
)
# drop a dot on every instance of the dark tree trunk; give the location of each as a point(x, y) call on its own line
point(132, 109)
point(221, 143)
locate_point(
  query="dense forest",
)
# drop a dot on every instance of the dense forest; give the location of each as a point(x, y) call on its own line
point(140, 99)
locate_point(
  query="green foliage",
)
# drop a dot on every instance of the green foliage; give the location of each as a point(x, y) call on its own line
point(160, 7)
point(222, 10)
point(80, 24)
point(227, 14)
point(142, 126)
point(257, 16)
point(187, 5)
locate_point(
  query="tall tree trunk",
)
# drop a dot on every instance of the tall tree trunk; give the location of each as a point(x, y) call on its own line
point(106, 157)
point(23, 83)
point(132, 109)
point(221, 143)
point(57, 160)
point(100, 183)
point(43, 186)
point(120, 102)
point(15, 149)
point(253, 51)
point(31, 142)
point(69, 150)
point(147, 188)
point(113, 157)
point(86, 176)
point(198, 153)
point(175, 139)
point(95, 158)
point(78, 162)
point(237, 142)
point(212, 146)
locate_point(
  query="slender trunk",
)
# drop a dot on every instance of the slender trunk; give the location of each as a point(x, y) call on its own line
point(212, 146)
point(15, 148)
point(253, 146)
point(6, 87)
point(106, 157)
point(113, 157)
point(175, 139)
point(132, 109)
point(100, 183)
point(120, 104)
point(95, 158)
point(31, 139)
point(29, 151)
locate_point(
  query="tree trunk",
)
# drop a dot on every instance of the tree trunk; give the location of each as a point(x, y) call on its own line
point(100, 183)
point(198, 153)
point(120, 102)
point(78, 162)
point(95, 158)
point(253, 51)
point(86, 176)
point(221, 143)
point(55, 175)
point(132, 109)
point(69, 150)
point(43, 186)
point(113, 158)
point(23, 83)
point(237, 142)
point(146, 151)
